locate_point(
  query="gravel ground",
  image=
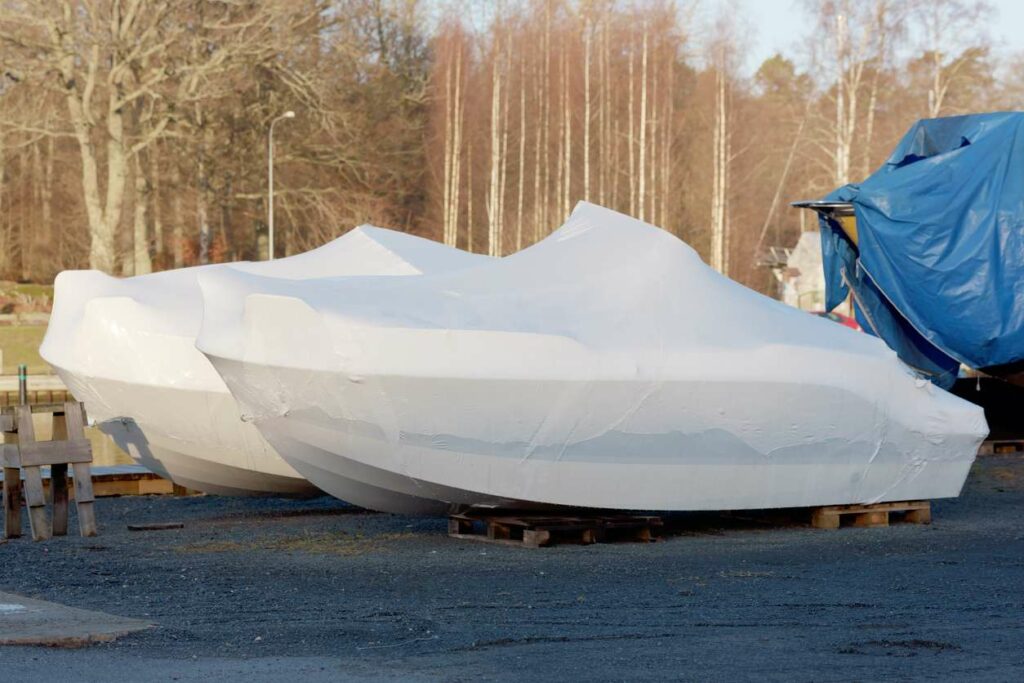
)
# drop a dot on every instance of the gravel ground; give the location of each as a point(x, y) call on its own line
point(275, 589)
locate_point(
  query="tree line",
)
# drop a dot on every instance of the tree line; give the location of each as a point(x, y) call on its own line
point(133, 133)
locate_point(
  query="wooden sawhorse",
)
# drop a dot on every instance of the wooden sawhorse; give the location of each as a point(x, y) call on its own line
point(68, 447)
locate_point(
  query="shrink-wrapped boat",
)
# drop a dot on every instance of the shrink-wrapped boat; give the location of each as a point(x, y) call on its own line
point(931, 247)
point(126, 348)
point(605, 367)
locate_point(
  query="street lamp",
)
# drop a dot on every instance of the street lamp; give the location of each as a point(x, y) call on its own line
point(270, 183)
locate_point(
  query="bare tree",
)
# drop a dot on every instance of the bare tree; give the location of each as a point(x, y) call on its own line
point(494, 213)
point(108, 59)
point(951, 30)
point(132, 132)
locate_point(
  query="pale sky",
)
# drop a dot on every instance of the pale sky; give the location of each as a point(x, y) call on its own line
point(780, 26)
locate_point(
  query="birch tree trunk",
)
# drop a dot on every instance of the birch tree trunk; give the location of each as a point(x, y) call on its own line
point(158, 224)
point(494, 189)
point(469, 196)
point(35, 231)
point(203, 188)
point(604, 115)
point(178, 216)
point(613, 171)
point(140, 240)
point(56, 237)
point(869, 124)
point(453, 148)
point(842, 161)
point(103, 218)
point(446, 195)
point(642, 171)
point(545, 127)
point(587, 40)
point(726, 179)
point(667, 129)
point(503, 173)
point(720, 162)
point(848, 82)
point(522, 153)
point(567, 135)
point(18, 238)
point(652, 137)
point(203, 211)
point(538, 138)
point(560, 149)
point(457, 152)
point(103, 241)
point(631, 140)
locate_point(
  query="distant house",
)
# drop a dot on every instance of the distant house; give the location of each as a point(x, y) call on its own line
point(802, 279)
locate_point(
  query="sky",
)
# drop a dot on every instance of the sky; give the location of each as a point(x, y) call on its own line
point(779, 25)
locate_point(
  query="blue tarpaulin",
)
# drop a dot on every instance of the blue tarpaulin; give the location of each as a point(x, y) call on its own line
point(938, 271)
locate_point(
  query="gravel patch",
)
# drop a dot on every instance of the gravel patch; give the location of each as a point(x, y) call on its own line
point(314, 589)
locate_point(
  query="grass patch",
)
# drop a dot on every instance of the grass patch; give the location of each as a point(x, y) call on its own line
point(340, 543)
point(30, 289)
point(20, 344)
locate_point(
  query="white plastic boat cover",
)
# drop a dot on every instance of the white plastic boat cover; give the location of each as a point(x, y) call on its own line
point(606, 366)
point(126, 347)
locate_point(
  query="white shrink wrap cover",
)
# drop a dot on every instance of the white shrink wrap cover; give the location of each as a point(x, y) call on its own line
point(126, 348)
point(606, 367)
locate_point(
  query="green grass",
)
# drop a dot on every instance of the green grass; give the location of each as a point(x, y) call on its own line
point(31, 289)
point(20, 344)
point(9, 289)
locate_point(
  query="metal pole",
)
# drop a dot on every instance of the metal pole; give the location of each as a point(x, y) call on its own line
point(23, 385)
point(270, 183)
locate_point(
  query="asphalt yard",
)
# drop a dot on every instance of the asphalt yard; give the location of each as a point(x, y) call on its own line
point(274, 589)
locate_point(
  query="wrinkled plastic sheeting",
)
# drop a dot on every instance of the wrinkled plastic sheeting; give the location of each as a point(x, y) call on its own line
point(940, 257)
point(606, 366)
point(126, 348)
point(137, 310)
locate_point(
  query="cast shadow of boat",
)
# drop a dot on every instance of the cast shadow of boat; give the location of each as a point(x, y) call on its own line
point(197, 473)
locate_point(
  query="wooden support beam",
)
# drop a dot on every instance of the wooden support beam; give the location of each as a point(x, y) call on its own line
point(12, 478)
point(43, 453)
point(74, 416)
point(27, 457)
point(34, 497)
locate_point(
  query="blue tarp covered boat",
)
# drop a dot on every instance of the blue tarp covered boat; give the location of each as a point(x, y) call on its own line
point(932, 246)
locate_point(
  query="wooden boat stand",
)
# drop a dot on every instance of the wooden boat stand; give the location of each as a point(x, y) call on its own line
point(541, 530)
point(536, 530)
point(878, 514)
point(21, 451)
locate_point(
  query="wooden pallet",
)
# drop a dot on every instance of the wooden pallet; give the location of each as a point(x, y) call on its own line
point(1004, 447)
point(535, 531)
point(877, 515)
point(130, 484)
point(107, 484)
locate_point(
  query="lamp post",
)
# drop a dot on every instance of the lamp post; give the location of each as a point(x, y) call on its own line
point(270, 183)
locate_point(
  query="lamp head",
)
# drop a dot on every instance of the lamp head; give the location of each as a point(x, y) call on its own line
point(288, 115)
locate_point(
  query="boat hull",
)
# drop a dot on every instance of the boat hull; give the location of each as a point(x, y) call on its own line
point(205, 471)
point(604, 367)
point(195, 438)
point(386, 433)
point(126, 348)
